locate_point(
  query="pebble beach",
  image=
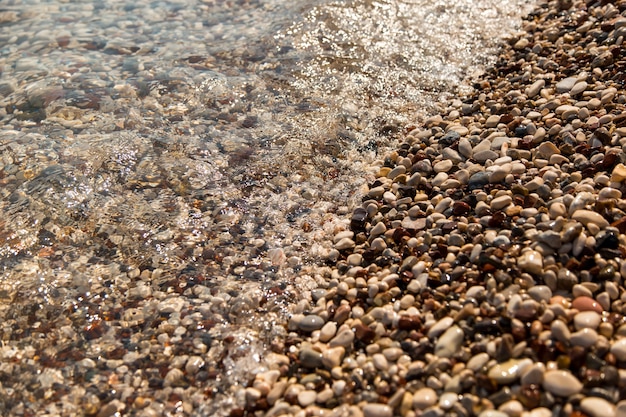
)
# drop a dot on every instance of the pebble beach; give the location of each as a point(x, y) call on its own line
point(474, 266)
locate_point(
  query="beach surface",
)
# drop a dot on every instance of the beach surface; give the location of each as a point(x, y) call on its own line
point(304, 226)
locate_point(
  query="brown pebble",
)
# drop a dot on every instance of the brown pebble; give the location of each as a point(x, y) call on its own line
point(342, 313)
point(409, 322)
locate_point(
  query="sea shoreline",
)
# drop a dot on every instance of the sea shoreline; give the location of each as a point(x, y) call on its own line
point(483, 273)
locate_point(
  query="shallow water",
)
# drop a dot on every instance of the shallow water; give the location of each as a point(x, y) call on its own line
point(197, 156)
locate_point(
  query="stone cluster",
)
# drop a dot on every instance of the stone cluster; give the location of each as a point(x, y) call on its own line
point(483, 274)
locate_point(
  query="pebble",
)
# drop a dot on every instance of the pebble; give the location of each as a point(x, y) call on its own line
point(484, 156)
point(310, 358)
point(355, 259)
point(585, 338)
point(618, 349)
point(540, 293)
point(493, 413)
point(587, 319)
point(424, 398)
point(477, 361)
point(194, 364)
point(585, 303)
point(448, 400)
point(588, 217)
point(561, 383)
point(531, 261)
point(440, 326)
point(540, 412)
point(547, 149)
point(560, 331)
point(535, 88)
point(450, 342)
point(328, 331)
point(377, 410)
point(344, 338)
point(501, 202)
point(557, 210)
point(333, 357)
point(443, 166)
point(311, 323)
point(533, 374)
point(492, 121)
point(619, 173)
point(578, 88)
point(509, 371)
point(512, 408)
point(566, 84)
point(345, 243)
point(306, 397)
point(380, 361)
point(598, 407)
point(465, 148)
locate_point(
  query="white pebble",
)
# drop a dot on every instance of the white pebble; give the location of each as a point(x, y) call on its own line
point(509, 371)
point(597, 407)
point(618, 349)
point(448, 399)
point(450, 342)
point(424, 398)
point(561, 383)
point(377, 410)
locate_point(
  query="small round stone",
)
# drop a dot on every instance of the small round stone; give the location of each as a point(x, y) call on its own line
point(585, 338)
point(501, 202)
point(447, 400)
point(493, 413)
point(512, 408)
point(424, 398)
point(332, 357)
point(531, 261)
point(587, 319)
point(597, 407)
point(311, 323)
point(509, 371)
point(618, 349)
point(585, 303)
point(561, 383)
point(306, 397)
point(377, 410)
point(328, 331)
point(450, 342)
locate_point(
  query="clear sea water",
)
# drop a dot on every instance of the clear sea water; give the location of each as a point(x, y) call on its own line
point(211, 139)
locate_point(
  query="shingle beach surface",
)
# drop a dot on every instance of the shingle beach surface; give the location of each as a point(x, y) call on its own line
point(482, 274)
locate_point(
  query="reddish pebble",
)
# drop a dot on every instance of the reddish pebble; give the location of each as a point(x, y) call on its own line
point(584, 303)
